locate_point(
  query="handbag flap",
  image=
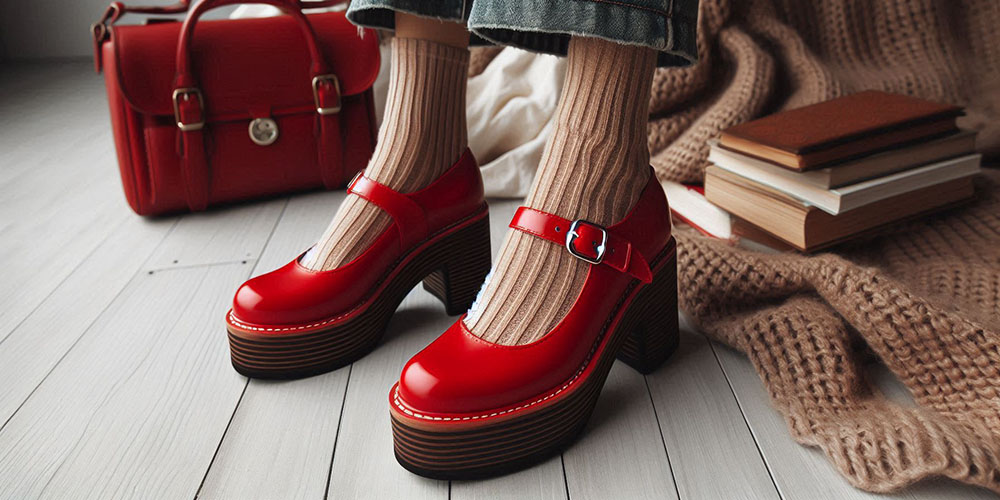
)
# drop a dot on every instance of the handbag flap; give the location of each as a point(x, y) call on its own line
point(244, 67)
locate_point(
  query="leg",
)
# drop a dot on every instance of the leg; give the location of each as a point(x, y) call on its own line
point(594, 166)
point(423, 131)
point(467, 408)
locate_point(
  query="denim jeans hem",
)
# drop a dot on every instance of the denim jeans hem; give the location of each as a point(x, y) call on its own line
point(381, 14)
point(546, 26)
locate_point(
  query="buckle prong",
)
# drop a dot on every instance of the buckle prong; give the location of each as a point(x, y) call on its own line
point(572, 235)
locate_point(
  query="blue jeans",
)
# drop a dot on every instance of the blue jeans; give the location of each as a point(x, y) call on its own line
point(667, 26)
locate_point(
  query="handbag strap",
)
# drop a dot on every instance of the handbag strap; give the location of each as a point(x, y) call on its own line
point(195, 171)
point(191, 114)
point(115, 11)
point(100, 31)
point(189, 103)
point(185, 77)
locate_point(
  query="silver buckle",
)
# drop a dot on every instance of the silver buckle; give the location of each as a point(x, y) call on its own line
point(330, 110)
point(572, 235)
point(186, 93)
point(354, 179)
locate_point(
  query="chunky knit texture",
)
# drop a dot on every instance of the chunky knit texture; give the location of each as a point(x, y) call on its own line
point(761, 56)
point(423, 133)
point(756, 57)
point(925, 299)
point(599, 135)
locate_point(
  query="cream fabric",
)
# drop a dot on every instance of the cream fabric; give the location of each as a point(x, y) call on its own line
point(511, 109)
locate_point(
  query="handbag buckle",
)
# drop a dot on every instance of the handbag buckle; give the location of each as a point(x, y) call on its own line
point(599, 248)
point(186, 93)
point(326, 110)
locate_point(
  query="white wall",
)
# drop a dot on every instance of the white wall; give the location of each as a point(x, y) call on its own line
point(32, 29)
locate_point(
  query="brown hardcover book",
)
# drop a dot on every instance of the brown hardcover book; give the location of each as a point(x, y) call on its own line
point(808, 228)
point(743, 230)
point(847, 127)
point(868, 167)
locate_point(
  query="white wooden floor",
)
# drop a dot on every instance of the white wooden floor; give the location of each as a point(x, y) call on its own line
point(115, 379)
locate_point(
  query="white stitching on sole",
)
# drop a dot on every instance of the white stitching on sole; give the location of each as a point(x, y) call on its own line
point(245, 326)
point(458, 226)
point(579, 371)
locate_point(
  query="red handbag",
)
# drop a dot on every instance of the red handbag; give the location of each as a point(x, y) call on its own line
point(237, 109)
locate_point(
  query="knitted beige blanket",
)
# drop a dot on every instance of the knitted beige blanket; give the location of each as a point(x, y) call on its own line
point(924, 299)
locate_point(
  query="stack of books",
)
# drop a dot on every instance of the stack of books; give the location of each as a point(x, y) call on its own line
point(816, 176)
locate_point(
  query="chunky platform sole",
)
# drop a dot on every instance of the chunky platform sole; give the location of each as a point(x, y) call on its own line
point(643, 332)
point(452, 265)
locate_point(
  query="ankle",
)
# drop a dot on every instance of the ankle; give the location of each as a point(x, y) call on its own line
point(603, 199)
point(424, 129)
point(423, 134)
point(596, 162)
point(415, 174)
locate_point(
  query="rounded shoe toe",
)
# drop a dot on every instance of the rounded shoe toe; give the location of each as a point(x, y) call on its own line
point(255, 302)
point(455, 375)
point(286, 296)
point(428, 387)
point(420, 387)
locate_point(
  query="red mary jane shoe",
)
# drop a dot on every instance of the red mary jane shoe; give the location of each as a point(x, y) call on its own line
point(467, 408)
point(295, 322)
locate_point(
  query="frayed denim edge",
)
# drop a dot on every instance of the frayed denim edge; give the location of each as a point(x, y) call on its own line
point(689, 58)
point(394, 9)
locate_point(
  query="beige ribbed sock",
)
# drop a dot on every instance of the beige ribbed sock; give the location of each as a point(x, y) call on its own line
point(594, 167)
point(422, 135)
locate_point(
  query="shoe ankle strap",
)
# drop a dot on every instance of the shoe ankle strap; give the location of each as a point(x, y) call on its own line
point(408, 215)
point(584, 240)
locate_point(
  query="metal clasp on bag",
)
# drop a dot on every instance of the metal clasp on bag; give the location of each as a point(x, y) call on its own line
point(572, 235)
point(263, 131)
point(328, 110)
point(187, 92)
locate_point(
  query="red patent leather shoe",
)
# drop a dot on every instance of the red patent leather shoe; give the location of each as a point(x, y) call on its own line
point(466, 408)
point(295, 322)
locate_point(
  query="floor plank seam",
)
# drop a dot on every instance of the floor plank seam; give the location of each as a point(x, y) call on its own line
point(562, 462)
point(86, 330)
point(219, 446)
point(753, 435)
point(61, 282)
point(112, 390)
point(236, 408)
point(659, 427)
point(336, 435)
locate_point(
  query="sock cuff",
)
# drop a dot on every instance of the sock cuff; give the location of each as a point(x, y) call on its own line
point(605, 53)
point(426, 48)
